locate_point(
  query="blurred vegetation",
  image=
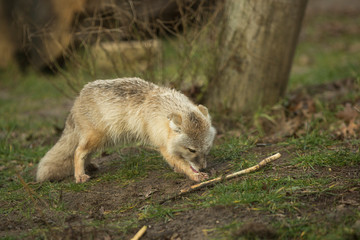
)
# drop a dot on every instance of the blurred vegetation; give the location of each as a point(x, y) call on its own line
point(328, 50)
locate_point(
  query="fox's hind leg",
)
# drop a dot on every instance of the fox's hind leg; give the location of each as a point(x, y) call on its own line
point(79, 164)
point(87, 145)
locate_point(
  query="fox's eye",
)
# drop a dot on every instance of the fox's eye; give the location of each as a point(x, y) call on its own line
point(191, 150)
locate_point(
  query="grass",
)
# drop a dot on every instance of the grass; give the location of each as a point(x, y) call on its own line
point(331, 158)
point(324, 55)
point(134, 166)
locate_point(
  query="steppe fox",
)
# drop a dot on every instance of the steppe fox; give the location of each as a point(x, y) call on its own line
point(108, 111)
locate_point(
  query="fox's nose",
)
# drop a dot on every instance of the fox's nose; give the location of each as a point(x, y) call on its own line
point(204, 165)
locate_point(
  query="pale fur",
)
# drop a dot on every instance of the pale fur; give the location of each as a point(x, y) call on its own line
point(109, 111)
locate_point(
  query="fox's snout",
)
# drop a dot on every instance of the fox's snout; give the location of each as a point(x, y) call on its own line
point(199, 162)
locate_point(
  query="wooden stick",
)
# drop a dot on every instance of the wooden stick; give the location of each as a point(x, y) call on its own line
point(139, 234)
point(218, 179)
point(235, 174)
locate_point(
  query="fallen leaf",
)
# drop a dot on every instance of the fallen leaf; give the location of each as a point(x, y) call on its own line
point(146, 194)
point(348, 130)
point(301, 104)
point(288, 128)
point(348, 114)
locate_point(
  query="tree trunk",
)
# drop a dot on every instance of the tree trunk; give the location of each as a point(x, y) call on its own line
point(258, 46)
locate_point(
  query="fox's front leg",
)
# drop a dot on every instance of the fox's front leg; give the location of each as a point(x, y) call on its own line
point(182, 166)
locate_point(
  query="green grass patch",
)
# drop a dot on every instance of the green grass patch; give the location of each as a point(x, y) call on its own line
point(270, 194)
point(328, 158)
point(232, 149)
point(134, 166)
point(324, 55)
point(158, 212)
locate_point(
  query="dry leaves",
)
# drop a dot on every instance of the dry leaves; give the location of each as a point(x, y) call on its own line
point(147, 192)
point(348, 122)
point(349, 113)
point(292, 119)
point(299, 115)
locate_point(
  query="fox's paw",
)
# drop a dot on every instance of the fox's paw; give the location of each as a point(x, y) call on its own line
point(82, 178)
point(177, 170)
point(199, 177)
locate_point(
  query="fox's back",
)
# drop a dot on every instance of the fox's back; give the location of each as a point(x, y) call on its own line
point(133, 93)
point(129, 106)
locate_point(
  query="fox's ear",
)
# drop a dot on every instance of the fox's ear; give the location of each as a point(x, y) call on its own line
point(175, 121)
point(203, 110)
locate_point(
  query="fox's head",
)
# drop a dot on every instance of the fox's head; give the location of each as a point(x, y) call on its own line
point(192, 136)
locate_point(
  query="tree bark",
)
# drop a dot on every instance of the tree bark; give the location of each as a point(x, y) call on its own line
point(258, 46)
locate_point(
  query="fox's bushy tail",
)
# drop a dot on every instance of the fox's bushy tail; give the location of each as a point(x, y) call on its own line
point(58, 161)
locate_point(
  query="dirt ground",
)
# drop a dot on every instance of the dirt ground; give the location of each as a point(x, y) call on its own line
point(100, 201)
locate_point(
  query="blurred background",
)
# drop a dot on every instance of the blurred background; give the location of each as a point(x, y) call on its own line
point(159, 40)
point(236, 64)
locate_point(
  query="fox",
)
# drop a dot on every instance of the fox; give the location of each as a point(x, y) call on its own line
point(107, 112)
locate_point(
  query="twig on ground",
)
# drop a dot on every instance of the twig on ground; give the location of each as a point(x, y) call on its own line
point(33, 194)
point(30, 191)
point(357, 109)
point(242, 172)
point(219, 179)
point(139, 234)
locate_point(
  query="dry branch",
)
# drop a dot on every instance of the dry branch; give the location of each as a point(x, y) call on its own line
point(30, 191)
point(31, 194)
point(357, 109)
point(229, 176)
point(139, 234)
